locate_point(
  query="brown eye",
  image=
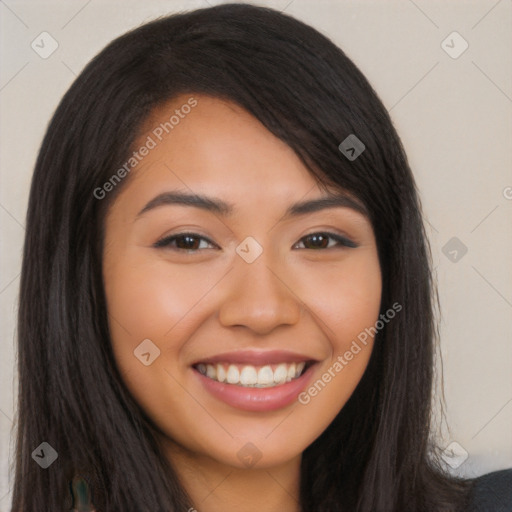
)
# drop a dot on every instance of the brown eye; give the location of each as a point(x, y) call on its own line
point(323, 241)
point(316, 241)
point(184, 242)
point(187, 242)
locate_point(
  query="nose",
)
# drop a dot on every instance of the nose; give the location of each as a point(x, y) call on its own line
point(259, 298)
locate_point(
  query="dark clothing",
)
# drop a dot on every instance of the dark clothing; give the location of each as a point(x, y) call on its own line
point(492, 492)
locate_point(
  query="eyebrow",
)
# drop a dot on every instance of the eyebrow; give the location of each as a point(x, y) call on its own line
point(215, 205)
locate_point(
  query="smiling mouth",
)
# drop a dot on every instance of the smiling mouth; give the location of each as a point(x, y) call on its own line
point(249, 376)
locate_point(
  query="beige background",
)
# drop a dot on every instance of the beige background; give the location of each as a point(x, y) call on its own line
point(454, 116)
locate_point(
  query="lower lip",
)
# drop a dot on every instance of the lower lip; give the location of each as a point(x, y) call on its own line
point(257, 399)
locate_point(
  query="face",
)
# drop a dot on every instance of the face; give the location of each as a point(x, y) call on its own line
point(235, 292)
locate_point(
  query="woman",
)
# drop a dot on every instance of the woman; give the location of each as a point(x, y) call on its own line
point(192, 340)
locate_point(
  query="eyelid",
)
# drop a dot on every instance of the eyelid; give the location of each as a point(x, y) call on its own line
point(163, 242)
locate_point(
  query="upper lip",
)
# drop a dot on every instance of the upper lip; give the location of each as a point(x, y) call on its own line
point(256, 357)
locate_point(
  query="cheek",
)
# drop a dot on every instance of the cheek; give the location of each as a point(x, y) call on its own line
point(148, 297)
point(145, 300)
point(346, 297)
point(149, 300)
point(346, 301)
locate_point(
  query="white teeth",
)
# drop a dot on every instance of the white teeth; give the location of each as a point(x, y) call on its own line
point(265, 376)
point(280, 374)
point(251, 376)
point(221, 373)
point(233, 374)
point(291, 372)
point(210, 371)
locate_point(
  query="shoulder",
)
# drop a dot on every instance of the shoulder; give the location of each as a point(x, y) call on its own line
point(492, 492)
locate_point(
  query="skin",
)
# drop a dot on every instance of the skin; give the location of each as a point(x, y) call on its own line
point(196, 304)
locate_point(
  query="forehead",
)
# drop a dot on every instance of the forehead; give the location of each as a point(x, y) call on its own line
point(217, 145)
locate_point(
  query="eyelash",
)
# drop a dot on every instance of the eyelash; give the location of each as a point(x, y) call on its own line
point(167, 241)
